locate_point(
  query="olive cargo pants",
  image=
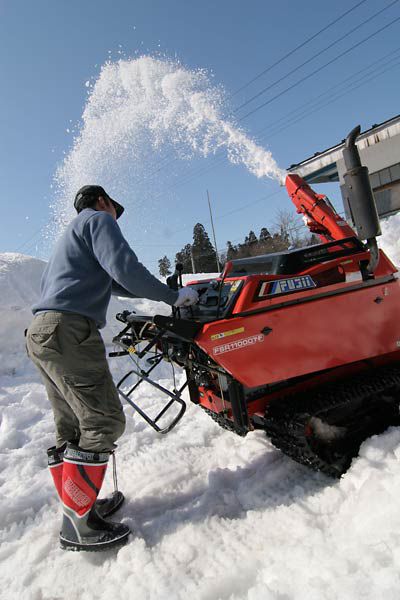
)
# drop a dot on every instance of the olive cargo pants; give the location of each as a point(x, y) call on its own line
point(70, 355)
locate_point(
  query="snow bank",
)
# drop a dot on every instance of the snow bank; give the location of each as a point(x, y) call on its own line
point(19, 288)
point(390, 239)
point(214, 516)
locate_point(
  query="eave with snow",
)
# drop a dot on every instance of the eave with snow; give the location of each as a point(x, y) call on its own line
point(379, 149)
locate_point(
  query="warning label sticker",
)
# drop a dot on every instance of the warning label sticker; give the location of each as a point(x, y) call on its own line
point(238, 344)
point(218, 336)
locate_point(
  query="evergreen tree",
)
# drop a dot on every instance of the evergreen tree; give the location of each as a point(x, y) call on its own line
point(164, 266)
point(264, 235)
point(266, 243)
point(231, 251)
point(287, 233)
point(252, 243)
point(243, 249)
point(251, 238)
point(203, 251)
point(184, 257)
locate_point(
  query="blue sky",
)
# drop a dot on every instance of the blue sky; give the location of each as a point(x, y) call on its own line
point(49, 49)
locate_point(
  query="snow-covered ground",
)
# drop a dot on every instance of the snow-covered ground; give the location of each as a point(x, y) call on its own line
point(214, 516)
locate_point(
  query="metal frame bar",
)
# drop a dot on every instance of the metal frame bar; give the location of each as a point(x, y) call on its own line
point(174, 396)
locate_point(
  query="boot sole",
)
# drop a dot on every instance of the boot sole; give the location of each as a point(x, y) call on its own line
point(96, 547)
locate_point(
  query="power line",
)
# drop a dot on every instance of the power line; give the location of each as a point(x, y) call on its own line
point(350, 78)
point(314, 56)
point(218, 217)
point(319, 69)
point(34, 236)
point(334, 99)
point(330, 101)
point(285, 123)
point(313, 106)
point(167, 162)
point(297, 48)
point(206, 169)
point(243, 207)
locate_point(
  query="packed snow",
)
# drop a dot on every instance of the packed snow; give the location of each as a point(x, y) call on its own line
point(214, 516)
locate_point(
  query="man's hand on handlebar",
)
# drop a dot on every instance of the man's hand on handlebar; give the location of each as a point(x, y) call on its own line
point(187, 297)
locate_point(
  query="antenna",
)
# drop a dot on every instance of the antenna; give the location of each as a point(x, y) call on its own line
point(213, 230)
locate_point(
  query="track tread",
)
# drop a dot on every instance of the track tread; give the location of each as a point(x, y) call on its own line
point(286, 419)
point(225, 423)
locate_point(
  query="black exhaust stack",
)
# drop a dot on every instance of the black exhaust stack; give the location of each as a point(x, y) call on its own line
point(360, 198)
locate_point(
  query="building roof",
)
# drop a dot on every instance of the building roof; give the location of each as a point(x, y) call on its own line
point(322, 166)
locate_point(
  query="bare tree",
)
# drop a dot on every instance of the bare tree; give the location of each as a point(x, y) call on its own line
point(291, 229)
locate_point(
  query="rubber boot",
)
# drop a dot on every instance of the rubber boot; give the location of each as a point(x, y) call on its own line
point(105, 507)
point(55, 461)
point(82, 527)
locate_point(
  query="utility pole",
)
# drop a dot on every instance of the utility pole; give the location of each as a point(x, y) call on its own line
point(192, 259)
point(213, 230)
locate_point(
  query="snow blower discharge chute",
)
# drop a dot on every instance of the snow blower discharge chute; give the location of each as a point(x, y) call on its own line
point(303, 344)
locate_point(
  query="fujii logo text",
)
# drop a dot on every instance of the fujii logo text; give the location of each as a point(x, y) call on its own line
point(239, 344)
point(283, 286)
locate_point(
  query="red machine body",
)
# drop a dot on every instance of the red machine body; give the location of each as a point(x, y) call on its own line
point(304, 337)
point(304, 344)
point(288, 333)
point(320, 216)
point(270, 337)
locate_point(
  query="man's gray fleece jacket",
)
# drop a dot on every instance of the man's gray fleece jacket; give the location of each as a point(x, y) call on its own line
point(91, 261)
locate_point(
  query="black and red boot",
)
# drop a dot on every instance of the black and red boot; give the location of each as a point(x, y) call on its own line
point(55, 461)
point(104, 506)
point(82, 526)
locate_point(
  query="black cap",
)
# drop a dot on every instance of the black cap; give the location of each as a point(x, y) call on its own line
point(88, 194)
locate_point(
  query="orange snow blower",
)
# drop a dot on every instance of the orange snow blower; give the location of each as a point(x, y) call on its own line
point(303, 344)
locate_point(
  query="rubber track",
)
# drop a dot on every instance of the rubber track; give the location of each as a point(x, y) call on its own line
point(286, 419)
point(225, 423)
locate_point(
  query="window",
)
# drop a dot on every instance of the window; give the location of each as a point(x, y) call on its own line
point(395, 172)
point(385, 176)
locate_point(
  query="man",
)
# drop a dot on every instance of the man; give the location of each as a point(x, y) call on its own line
point(91, 261)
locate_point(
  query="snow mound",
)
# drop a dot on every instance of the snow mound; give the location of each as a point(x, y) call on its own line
point(19, 280)
point(19, 289)
point(390, 240)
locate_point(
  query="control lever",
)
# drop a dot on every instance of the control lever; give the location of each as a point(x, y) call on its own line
point(175, 283)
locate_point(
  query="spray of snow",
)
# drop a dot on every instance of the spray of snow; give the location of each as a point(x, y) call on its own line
point(136, 111)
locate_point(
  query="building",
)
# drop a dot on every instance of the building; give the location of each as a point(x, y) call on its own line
point(379, 149)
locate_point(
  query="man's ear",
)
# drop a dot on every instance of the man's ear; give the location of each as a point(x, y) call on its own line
point(101, 202)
